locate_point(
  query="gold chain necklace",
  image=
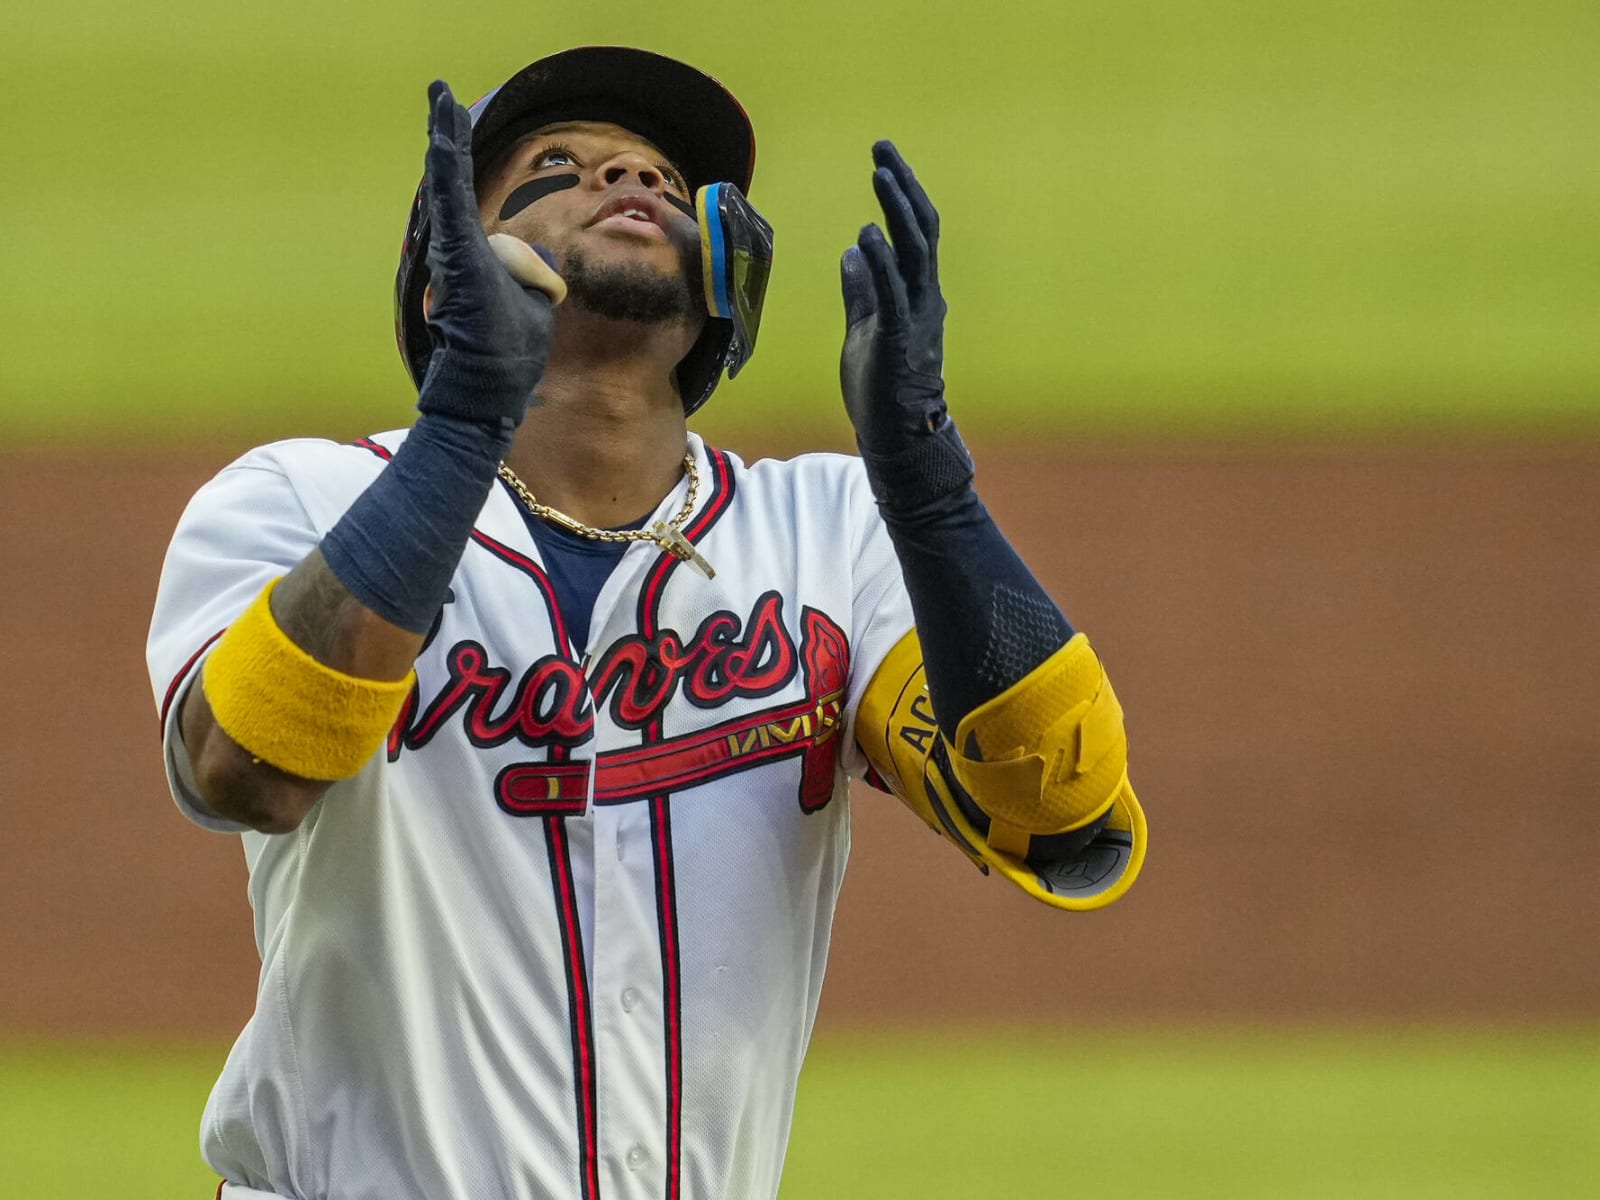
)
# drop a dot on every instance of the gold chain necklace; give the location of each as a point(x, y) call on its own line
point(666, 534)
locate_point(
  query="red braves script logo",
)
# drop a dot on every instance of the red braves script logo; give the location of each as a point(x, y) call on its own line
point(553, 704)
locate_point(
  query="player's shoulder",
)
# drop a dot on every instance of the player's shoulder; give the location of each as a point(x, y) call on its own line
point(309, 456)
point(316, 476)
point(814, 474)
point(811, 464)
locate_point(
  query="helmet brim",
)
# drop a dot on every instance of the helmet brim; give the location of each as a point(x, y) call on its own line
point(686, 113)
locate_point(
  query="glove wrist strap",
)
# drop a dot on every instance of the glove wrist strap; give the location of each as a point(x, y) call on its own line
point(487, 389)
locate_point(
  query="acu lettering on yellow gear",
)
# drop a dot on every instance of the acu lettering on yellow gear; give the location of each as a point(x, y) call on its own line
point(1051, 756)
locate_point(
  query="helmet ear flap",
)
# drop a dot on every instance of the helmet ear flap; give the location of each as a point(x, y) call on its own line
point(701, 369)
point(735, 262)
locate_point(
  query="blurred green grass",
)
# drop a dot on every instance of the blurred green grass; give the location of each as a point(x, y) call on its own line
point(923, 1116)
point(1414, 1114)
point(115, 1119)
point(1192, 215)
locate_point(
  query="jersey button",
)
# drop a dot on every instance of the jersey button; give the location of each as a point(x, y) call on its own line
point(630, 1001)
point(636, 1157)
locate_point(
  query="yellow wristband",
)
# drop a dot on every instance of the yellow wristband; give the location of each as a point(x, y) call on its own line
point(290, 710)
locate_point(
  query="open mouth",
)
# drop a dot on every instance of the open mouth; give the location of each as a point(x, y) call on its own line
point(638, 213)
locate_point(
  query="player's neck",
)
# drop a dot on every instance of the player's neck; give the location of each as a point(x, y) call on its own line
point(603, 448)
point(604, 439)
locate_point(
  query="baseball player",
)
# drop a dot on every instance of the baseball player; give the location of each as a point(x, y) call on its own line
point(536, 719)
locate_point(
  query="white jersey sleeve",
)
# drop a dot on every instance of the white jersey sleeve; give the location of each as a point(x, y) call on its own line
point(249, 525)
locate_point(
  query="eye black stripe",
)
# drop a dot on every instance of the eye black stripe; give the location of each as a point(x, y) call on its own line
point(534, 189)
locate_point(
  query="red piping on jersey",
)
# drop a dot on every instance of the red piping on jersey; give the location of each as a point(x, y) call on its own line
point(578, 1007)
point(667, 926)
point(381, 451)
point(535, 572)
point(580, 1022)
point(183, 671)
point(577, 1002)
point(717, 503)
point(581, 1016)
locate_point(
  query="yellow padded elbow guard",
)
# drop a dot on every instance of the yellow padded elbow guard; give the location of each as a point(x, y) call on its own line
point(1047, 755)
point(290, 710)
point(896, 729)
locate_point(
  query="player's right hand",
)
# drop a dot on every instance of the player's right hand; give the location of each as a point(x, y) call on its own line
point(491, 308)
point(892, 367)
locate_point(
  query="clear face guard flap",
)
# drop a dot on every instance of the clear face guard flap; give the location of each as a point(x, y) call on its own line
point(736, 261)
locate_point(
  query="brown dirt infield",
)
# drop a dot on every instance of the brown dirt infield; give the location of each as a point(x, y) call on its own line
point(1362, 687)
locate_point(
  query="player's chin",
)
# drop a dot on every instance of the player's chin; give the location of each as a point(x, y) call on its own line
point(645, 244)
point(642, 259)
point(629, 287)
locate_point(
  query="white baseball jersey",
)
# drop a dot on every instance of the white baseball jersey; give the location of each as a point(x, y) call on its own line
point(565, 935)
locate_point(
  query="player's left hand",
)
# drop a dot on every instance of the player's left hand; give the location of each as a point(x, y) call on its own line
point(891, 369)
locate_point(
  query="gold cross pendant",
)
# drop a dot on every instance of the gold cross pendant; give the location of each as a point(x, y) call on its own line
point(673, 542)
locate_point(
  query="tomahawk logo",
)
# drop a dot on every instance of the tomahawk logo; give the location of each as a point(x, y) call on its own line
point(553, 705)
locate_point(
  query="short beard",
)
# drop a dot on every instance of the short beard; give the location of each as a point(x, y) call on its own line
point(626, 291)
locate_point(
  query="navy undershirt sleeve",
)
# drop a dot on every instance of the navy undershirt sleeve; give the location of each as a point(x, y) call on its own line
point(396, 547)
point(983, 620)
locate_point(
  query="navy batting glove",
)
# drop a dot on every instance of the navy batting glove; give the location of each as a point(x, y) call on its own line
point(493, 334)
point(892, 367)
